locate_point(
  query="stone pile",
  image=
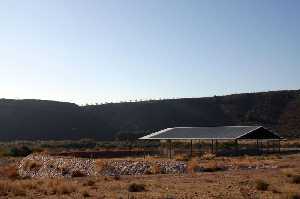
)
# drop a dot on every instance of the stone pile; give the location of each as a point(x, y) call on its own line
point(126, 167)
point(46, 166)
point(37, 166)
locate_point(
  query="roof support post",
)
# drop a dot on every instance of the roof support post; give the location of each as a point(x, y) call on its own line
point(170, 149)
point(257, 146)
point(191, 148)
point(144, 154)
point(216, 150)
point(236, 146)
point(261, 146)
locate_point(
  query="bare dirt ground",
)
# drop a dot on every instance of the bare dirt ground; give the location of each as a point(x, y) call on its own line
point(272, 176)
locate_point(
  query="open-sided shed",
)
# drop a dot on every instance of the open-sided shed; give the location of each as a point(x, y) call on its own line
point(214, 134)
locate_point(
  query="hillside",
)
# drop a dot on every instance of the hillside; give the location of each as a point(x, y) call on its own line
point(38, 119)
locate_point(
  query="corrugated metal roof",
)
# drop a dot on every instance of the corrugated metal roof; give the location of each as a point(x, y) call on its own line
point(221, 132)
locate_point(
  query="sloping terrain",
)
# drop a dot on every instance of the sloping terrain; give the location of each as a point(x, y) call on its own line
point(38, 119)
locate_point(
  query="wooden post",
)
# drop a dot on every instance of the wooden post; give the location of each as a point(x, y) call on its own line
point(212, 146)
point(279, 146)
point(257, 146)
point(216, 150)
point(191, 148)
point(236, 147)
point(170, 148)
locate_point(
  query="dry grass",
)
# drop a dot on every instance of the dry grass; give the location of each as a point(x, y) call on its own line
point(14, 188)
point(288, 172)
point(213, 166)
point(85, 193)
point(9, 171)
point(236, 183)
point(61, 187)
point(193, 166)
point(46, 187)
point(89, 182)
point(208, 156)
point(293, 196)
point(154, 169)
point(182, 157)
point(101, 165)
point(291, 143)
point(293, 174)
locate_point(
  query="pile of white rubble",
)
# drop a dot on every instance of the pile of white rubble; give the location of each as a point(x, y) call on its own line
point(141, 167)
point(46, 166)
point(41, 165)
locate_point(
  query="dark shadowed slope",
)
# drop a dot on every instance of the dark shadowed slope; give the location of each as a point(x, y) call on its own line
point(37, 119)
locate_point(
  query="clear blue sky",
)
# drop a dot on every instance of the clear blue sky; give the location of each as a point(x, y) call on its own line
point(91, 51)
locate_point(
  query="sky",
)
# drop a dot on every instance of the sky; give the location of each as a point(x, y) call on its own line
point(95, 51)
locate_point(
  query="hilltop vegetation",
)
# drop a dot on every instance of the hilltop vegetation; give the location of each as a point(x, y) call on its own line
point(40, 119)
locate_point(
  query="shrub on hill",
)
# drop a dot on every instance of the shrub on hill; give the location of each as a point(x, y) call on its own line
point(19, 151)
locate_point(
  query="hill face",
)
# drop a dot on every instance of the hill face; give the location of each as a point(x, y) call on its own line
point(38, 119)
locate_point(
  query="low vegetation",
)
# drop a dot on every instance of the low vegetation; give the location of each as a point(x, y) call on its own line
point(268, 177)
point(61, 187)
point(85, 194)
point(89, 182)
point(261, 185)
point(9, 171)
point(296, 179)
point(182, 157)
point(293, 196)
point(136, 187)
point(193, 166)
